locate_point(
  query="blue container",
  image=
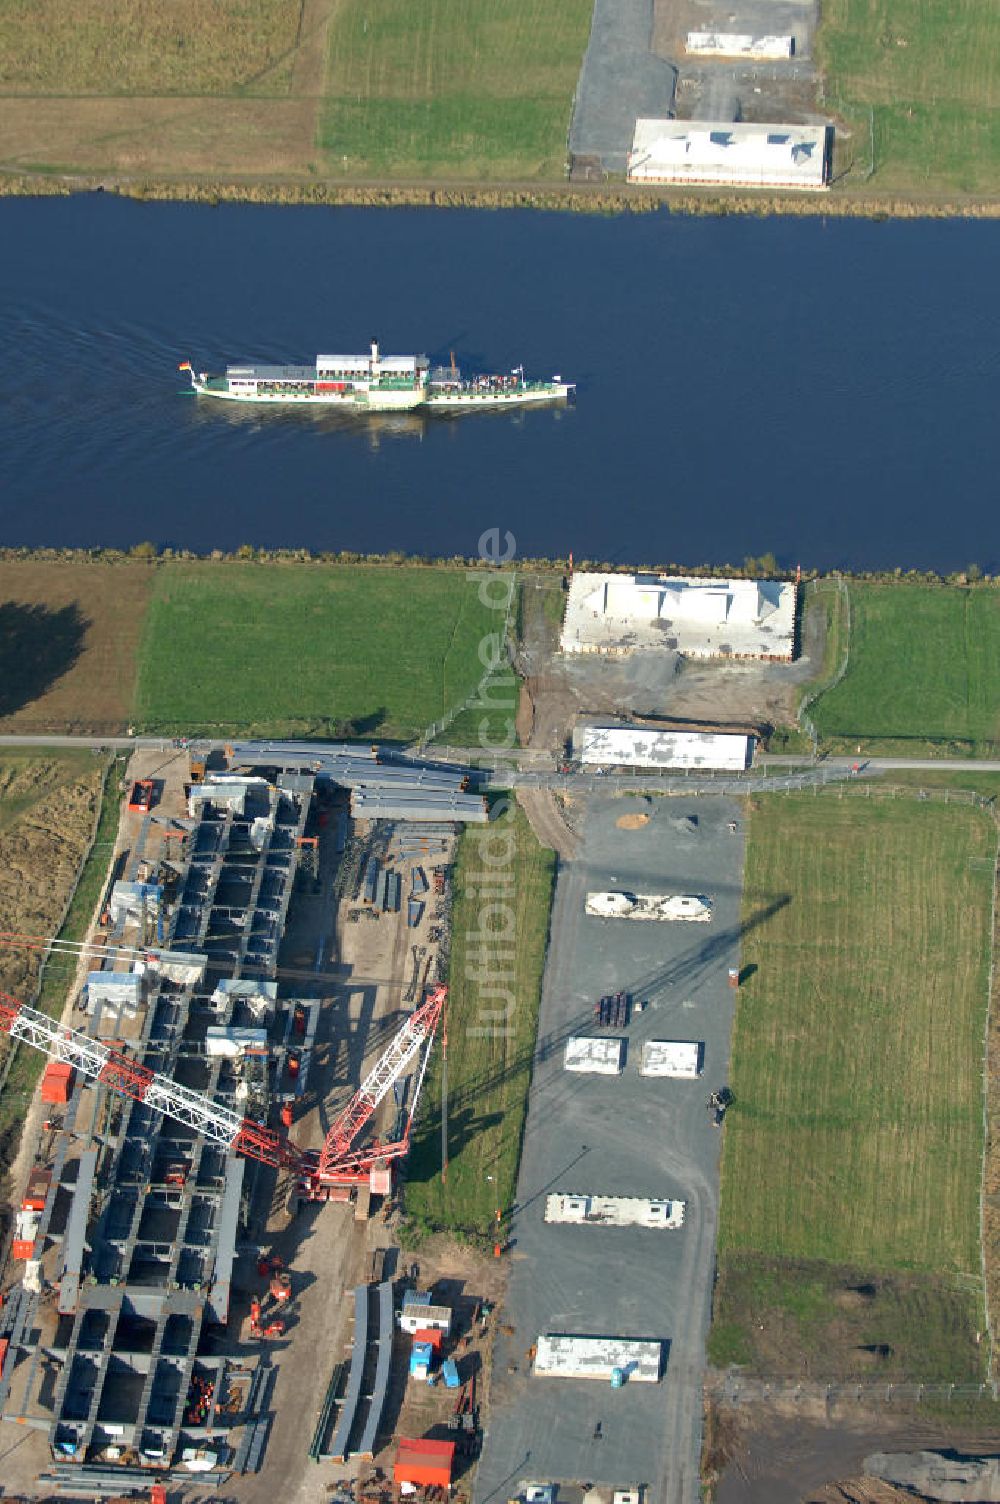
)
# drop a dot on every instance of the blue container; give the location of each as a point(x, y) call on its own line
point(449, 1373)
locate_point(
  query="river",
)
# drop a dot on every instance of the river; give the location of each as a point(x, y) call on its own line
point(823, 389)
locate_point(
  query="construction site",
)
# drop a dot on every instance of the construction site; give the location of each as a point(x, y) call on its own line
point(201, 1293)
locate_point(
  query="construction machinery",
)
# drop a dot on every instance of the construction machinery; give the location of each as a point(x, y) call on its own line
point(718, 1102)
point(613, 1010)
point(261, 1324)
point(141, 796)
point(338, 1165)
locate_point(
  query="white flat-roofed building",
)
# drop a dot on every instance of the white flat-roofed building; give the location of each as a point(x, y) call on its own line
point(731, 154)
point(614, 1211)
point(420, 1313)
point(672, 1057)
point(615, 613)
point(566, 1357)
point(647, 747)
point(601, 1057)
point(738, 44)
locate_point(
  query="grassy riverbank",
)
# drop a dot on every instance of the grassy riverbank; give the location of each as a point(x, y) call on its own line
point(923, 672)
point(316, 650)
point(857, 1060)
point(69, 636)
point(120, 47)
point(337, 101)
point(471, 90)
point(291, 91)
point(918, 87)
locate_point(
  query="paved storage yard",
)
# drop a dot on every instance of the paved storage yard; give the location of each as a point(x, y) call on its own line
point(621, 1135)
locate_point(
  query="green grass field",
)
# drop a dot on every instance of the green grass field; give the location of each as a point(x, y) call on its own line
point(146, 47)
point(852, 1154)
point(317, 650)
point(931, 73)
point(924, 667)
point(489, 1068)
point(453, 88)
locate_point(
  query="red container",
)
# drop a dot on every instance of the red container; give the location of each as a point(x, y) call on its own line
point(22, 1249)
point(57, 1082)
point(434, 1336)
point(37, 1190)
point(424, 1462)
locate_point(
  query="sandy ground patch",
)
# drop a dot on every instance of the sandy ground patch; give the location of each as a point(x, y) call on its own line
point(173, 137)
point(548, 821)
point(176, 137)
point(786, 1453)
point(69, 644)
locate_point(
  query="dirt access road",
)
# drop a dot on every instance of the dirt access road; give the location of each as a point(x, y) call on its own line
point(787, 1453)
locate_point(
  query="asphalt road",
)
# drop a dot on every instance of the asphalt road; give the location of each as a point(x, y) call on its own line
point(526, 767)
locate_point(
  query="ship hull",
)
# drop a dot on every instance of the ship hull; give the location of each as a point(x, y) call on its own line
point(464, 402)
point(366, 402)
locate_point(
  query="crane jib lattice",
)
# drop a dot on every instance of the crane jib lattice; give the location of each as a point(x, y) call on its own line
point(117, 1070)
point(110, 1067)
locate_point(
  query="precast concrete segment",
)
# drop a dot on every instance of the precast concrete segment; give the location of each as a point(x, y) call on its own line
point(614, 1211)
point(567, 1357)
point(594, 1056)
point(621, 1136)
point(672, 1057)
point(692, 907)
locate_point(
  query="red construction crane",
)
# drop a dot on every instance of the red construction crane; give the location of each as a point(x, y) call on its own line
point(335, 1165)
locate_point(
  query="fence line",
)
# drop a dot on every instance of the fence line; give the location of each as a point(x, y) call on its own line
point(875, 789)
point(734, 1389)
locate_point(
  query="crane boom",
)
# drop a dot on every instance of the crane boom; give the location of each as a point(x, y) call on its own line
point(101, 1062)
point(337, 1163)
point(417, 1031)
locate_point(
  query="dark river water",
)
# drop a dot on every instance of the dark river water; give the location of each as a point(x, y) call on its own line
point(826, 390)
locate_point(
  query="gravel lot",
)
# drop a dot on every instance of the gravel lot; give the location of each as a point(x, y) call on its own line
point(621, 1135)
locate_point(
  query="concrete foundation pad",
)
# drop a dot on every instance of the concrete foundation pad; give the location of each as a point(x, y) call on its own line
point(672, 1057)
point(638, 1362)
point(614, 1211)
point(602, 1057)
